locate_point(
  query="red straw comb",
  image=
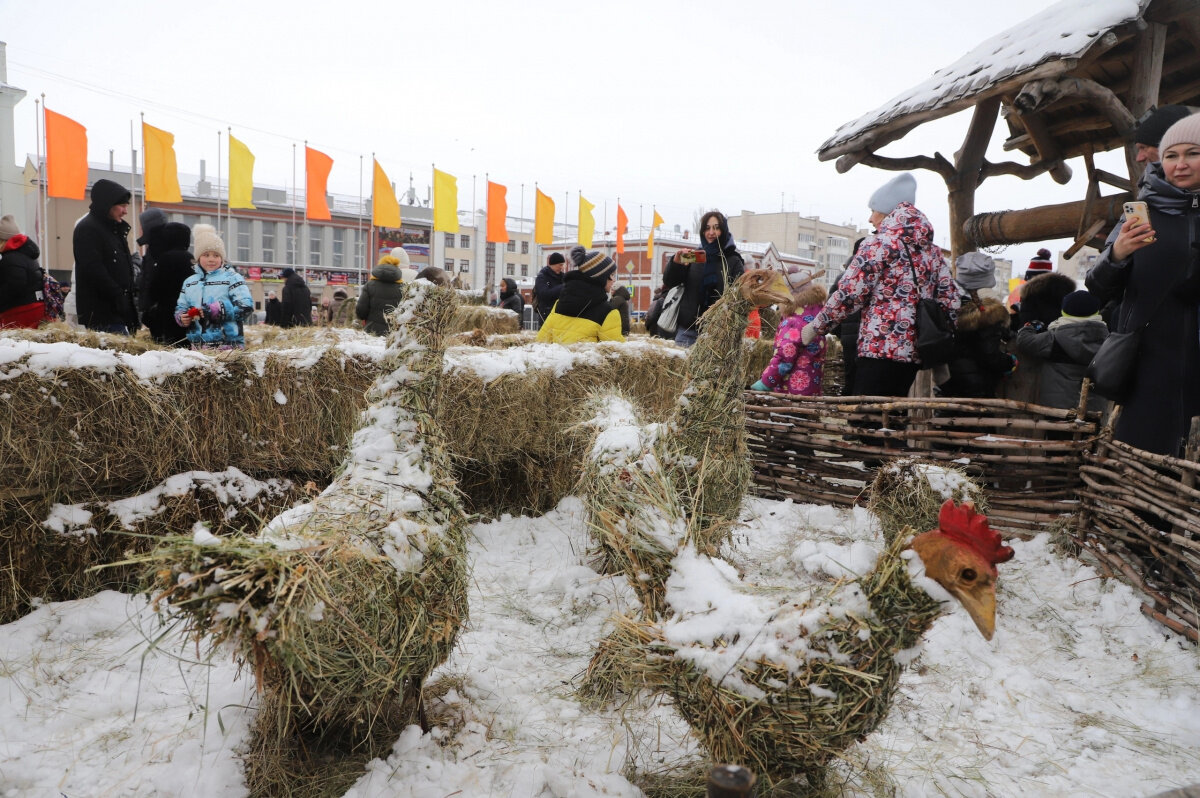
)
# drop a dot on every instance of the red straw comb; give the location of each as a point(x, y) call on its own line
point(961, 523)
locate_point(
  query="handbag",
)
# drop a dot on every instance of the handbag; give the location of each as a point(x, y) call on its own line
point(52, 297)
point(935, 333)
point(668, 319)
point(1111, 370)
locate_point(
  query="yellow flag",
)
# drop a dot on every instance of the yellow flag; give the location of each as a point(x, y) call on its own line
point(385, 208)
point(543, 220)
point(162, 175)
point(445, 202)
point(241, 174)
point(650, 239)
point(587, 222)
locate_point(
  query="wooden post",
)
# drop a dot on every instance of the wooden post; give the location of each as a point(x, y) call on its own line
point(968, 162)
point(731, 781)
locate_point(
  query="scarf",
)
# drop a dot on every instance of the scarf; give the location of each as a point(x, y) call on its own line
point(714, 272)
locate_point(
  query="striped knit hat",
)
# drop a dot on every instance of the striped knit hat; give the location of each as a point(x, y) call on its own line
point(597, 267)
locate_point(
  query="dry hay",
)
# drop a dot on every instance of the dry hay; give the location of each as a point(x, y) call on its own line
point(634, 519)
point(759, 352)
point(108, 426)
point(487, 319)
point(343, 606)
point(785, 719)
point(52, 550)
point(909, 493)
point(517, 446)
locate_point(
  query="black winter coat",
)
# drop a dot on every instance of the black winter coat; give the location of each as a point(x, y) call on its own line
point(21, 278)
point(379, 297)
point(979, 361)
point(547, 288)
point(695, 299)
point(1166, 390)
point(172, 265)
point(1063, 351)
point(297, 302)
point(103, 263)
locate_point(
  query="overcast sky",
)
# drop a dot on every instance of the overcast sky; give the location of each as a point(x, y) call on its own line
point(673, 104)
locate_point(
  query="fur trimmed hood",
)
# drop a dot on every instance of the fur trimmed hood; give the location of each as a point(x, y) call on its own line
point(989, 313)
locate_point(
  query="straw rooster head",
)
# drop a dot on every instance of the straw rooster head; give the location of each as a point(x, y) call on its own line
point(961, 556)
point(764, 287)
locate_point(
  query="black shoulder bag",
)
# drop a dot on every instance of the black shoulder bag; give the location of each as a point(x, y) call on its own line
point(935, 333)
point(1111, 370)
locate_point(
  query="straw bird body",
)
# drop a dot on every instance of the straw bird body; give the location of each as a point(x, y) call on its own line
point(820, 673)
point(342, 606)
point(686, 484)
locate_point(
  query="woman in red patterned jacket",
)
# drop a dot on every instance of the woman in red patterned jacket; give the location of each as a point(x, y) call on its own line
point(879, 282)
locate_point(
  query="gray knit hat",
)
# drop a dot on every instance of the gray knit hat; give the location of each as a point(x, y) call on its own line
point(975, 270)
point(150, 220)
point(8, 227)
point(1185, 131)
point(1154, 124)
point(901, 188)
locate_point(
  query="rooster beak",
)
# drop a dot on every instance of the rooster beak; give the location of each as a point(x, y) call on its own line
point(981, 606)
point(776, 290)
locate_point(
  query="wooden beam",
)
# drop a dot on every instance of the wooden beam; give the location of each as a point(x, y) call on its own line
point(1082, 241)
point(1047, 149)
point(1145, 76)
point(968, 171)
point(1059, 170)
point(1040, 94)
point(1040, 224)
point(1172, 10)
point(937, 163)
point(1190, 27)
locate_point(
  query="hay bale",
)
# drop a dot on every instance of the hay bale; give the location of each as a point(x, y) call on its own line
point(487, 319)
point(909, 492)
point(516, 443)
point(759, 352)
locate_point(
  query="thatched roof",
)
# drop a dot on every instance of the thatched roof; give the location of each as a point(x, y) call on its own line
point(1092, 40)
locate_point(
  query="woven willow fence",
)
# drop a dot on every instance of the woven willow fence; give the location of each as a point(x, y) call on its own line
point(1043, 469)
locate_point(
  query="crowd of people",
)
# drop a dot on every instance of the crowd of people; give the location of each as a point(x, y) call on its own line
point(1034, 345)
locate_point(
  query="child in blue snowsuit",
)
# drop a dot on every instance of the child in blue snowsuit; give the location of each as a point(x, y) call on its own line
point(215, 300)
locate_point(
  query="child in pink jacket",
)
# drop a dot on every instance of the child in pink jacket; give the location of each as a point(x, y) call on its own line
point(795, 368)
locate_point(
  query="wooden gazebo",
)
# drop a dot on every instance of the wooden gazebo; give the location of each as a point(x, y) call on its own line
point(1071, 81)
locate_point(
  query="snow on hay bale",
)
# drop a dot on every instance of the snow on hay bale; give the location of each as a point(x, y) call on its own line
point(487, 319)
point(90, 426)
point(909, 492)
point(514, 420)
point(342, 606)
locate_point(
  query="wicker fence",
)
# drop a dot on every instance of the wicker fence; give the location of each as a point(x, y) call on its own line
point(1041, 467)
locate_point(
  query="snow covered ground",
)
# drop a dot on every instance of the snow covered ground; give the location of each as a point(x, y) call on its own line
point(1078, 694)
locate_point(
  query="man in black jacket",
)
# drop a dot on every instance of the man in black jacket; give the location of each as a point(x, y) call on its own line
point(103, 263)
point(548, 286)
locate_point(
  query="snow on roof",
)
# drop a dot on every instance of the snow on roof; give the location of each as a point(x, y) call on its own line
point(1067, 29)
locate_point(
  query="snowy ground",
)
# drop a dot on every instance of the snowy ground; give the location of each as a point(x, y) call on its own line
point(1078, 694)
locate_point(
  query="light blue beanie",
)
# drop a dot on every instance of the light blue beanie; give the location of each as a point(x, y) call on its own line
point(901, 188)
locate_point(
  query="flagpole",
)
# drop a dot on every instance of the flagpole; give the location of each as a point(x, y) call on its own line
point(606, 244)
point(566, 218)
point(37, 214)
point(293, 230)
point(433, 232)
point(307, 232)
point(358, 233)
point(537, 248)
point(133, 191)
point(133, 176)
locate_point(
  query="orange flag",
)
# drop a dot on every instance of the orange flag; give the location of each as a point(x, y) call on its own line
point(543, 219)
point(497, 213)
point(622, 226)
point(66, 156)
point(316, 176)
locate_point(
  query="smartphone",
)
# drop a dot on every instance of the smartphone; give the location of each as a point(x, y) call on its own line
point(701, 257)
point(1137, 210)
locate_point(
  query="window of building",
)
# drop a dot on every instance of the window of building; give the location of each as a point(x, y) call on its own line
point(524, 269)
point(490, 256)
point(290, 243)
point(805, 238)
point(524, 247)
point(464, 265)
point(509, 269)
point(243, 239)
point(511, 246)
point(339, 247)
point(464, 242)
point(268, 242)
point(191, 220)
point(449, 265)
point(449, 238)
point(360, 249)
point(314, 246)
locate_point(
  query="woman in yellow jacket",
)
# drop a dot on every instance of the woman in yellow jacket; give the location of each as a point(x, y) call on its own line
point(582, 312)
